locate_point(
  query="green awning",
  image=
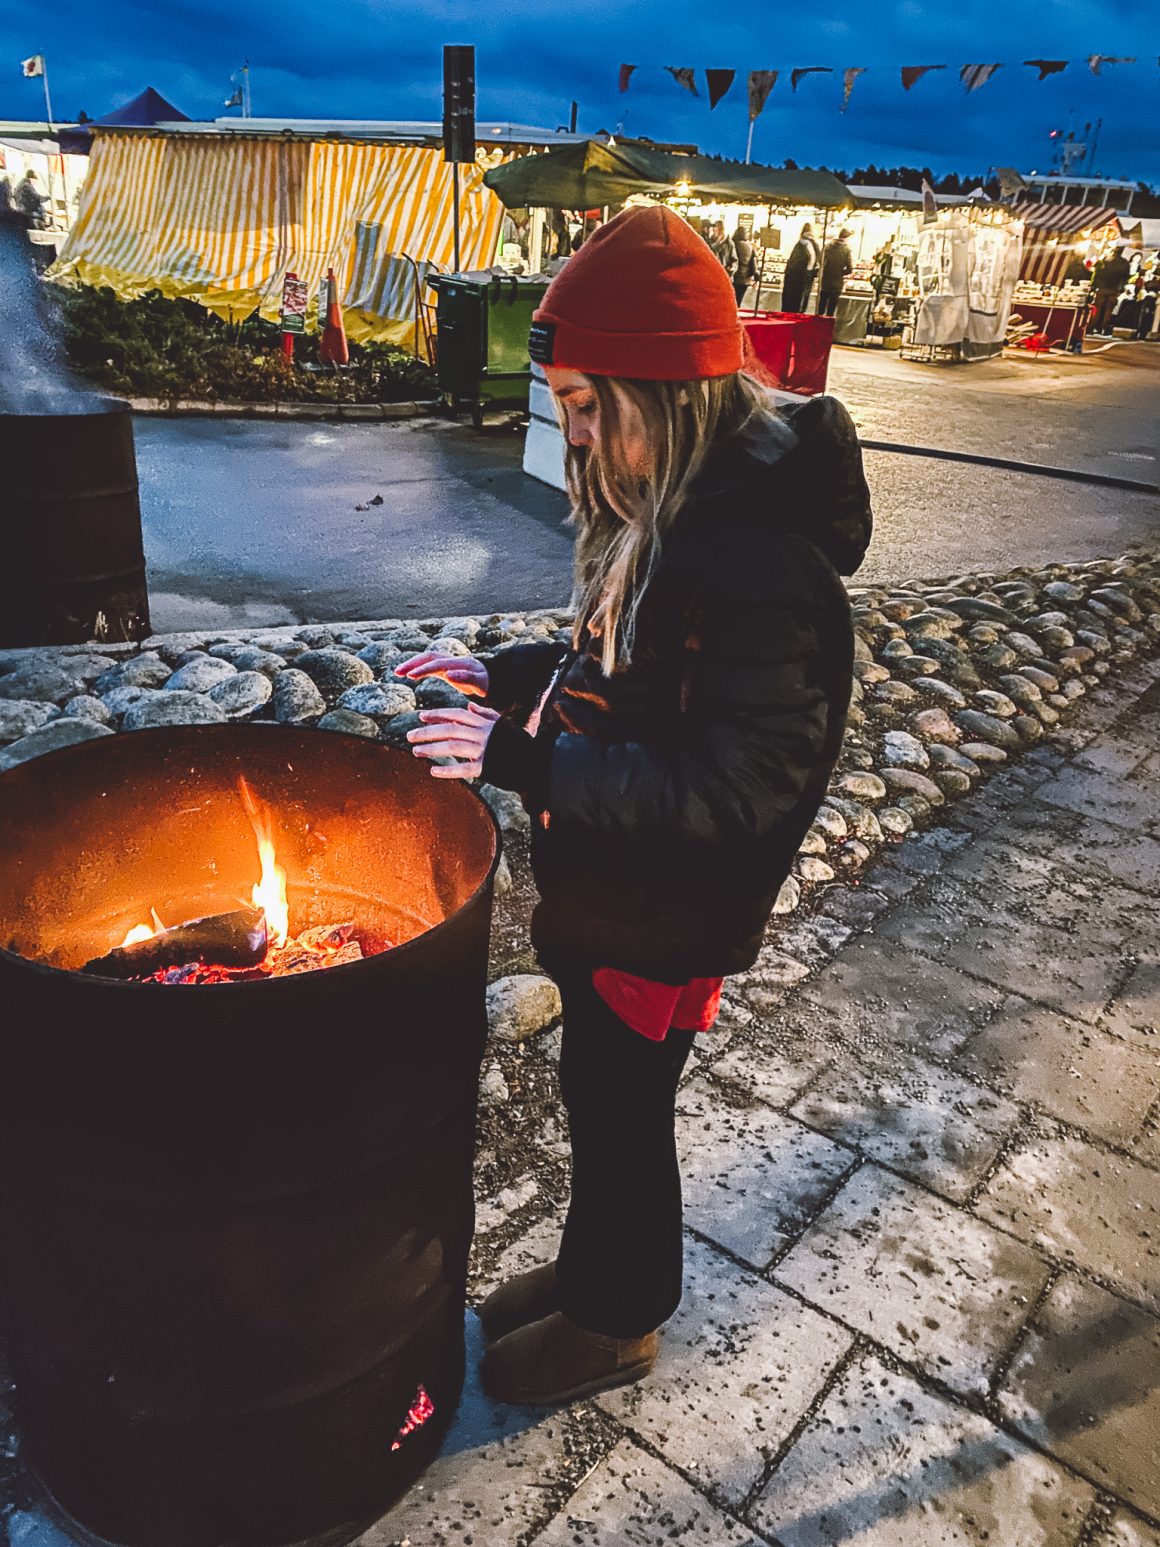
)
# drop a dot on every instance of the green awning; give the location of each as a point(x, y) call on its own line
point(592, 174)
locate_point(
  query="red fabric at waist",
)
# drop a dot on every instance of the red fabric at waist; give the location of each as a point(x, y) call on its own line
point(653, 1008)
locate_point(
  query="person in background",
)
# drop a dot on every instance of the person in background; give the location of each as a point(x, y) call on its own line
point(29, 202)
point(1077, 271)
point(1108, 280)
point(746, 271)
point(671, 757)
point(722, 248)
point(800, 269)
point(836, 264)
point(1146, 315)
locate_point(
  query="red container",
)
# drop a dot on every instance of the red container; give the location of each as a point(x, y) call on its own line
point(793, 348)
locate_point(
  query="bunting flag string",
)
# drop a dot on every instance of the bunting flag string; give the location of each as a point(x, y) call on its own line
point(810, 69)
point(1096, 60)
point(718, 83)
point(975, 75)
point(915, 72)
point(761, 83)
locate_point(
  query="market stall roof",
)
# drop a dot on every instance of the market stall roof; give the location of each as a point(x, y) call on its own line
point(593, 173)
point(866, 195)
point(146, 109)
point(1060, 218)
point(391, 131)
point(1143, 232)
point(1049, 231)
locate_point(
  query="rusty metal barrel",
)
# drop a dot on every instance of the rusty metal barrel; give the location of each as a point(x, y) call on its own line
point(70, 528)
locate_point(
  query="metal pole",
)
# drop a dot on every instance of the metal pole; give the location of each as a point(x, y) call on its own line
point(47, 98)
point(247, 109)
point(749, 142)
point(455, 209)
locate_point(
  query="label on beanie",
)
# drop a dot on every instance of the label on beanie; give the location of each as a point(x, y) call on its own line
point(541, 342)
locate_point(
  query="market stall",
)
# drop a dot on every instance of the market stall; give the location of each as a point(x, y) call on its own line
point(968, 266)
point(1051, 316)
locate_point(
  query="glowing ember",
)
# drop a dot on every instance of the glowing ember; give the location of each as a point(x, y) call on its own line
point(421, 1409)
point(269, 893)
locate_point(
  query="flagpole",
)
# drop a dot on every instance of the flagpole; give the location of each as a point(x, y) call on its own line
point(749, 142)
point(47, 98)
point(246, 104)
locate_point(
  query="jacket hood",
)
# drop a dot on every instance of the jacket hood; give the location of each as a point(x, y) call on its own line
point(801, 468)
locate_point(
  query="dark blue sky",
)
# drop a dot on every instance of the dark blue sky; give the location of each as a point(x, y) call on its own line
point(381, 59)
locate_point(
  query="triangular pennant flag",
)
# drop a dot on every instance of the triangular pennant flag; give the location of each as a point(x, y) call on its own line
point(719, 82)
point(683, 77)
point(810, 69)
point(915, 72)
point(1096, 60)
point(626, 75)
point(761, 83)
point(929, 204)
point(975, 75)
point(1010, 181)
point(848, 79)
point(1047, 67)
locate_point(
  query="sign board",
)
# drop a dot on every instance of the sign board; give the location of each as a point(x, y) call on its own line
point(459, 103)
point(294, 301)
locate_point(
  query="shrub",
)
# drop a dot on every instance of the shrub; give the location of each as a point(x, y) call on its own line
point(156, 347)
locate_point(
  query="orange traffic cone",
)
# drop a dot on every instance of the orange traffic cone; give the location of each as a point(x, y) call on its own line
point(332, 349)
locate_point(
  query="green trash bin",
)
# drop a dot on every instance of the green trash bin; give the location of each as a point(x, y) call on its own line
point(482, 324)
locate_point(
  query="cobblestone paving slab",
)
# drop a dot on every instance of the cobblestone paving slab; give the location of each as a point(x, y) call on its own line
point(884, 1463)
point(1135, 1011)
point(751, 1176)
point(941, 1289)
point(775, 1070)
point(1100, 1210)
point(1086, 842)
point(876, 995)
point(631, 1500)
point(488, 1483)
point(932, 1125)
point(1073, 1071)
point(1086, 1386)
point(1131, 802)
point(739, 1365)
point(954, 927)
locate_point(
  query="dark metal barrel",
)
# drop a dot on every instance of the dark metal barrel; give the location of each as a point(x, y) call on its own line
point(73, 565)
point(235, 1219)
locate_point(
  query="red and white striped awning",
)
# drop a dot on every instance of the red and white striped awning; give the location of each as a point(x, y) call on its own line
point(1049, 234)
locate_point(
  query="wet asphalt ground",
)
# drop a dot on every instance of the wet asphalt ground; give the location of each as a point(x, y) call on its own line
point(252, 522)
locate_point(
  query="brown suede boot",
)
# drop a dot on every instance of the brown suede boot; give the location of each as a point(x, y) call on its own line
point(528, 1297)
point(553, 1360)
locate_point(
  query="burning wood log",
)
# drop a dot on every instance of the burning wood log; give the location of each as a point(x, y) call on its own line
point(236, 939)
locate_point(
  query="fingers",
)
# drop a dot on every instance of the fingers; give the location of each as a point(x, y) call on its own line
point(457, 771)
point(462, 672)
point(473, 715)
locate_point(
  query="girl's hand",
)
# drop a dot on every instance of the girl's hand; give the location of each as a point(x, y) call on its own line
point(458, 733)
point(462, 671)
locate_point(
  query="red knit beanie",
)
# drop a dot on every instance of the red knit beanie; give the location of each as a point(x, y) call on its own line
point(645, 298)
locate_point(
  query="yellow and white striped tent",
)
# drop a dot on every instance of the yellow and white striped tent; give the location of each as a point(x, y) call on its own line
point(221, 219)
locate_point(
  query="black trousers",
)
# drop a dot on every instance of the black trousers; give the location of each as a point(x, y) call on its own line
point(620, 1260)
point(828, 302)
point(795, 291)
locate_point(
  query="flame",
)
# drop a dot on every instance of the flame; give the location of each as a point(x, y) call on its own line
point(141, 932)
point(269, 892)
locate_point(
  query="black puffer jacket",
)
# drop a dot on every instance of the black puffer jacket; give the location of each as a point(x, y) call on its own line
point(669, 800)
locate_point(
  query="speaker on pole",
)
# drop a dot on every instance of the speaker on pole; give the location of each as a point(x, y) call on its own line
point(458, 118)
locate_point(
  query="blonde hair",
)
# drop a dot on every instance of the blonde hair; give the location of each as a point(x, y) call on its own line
point(623, 507)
